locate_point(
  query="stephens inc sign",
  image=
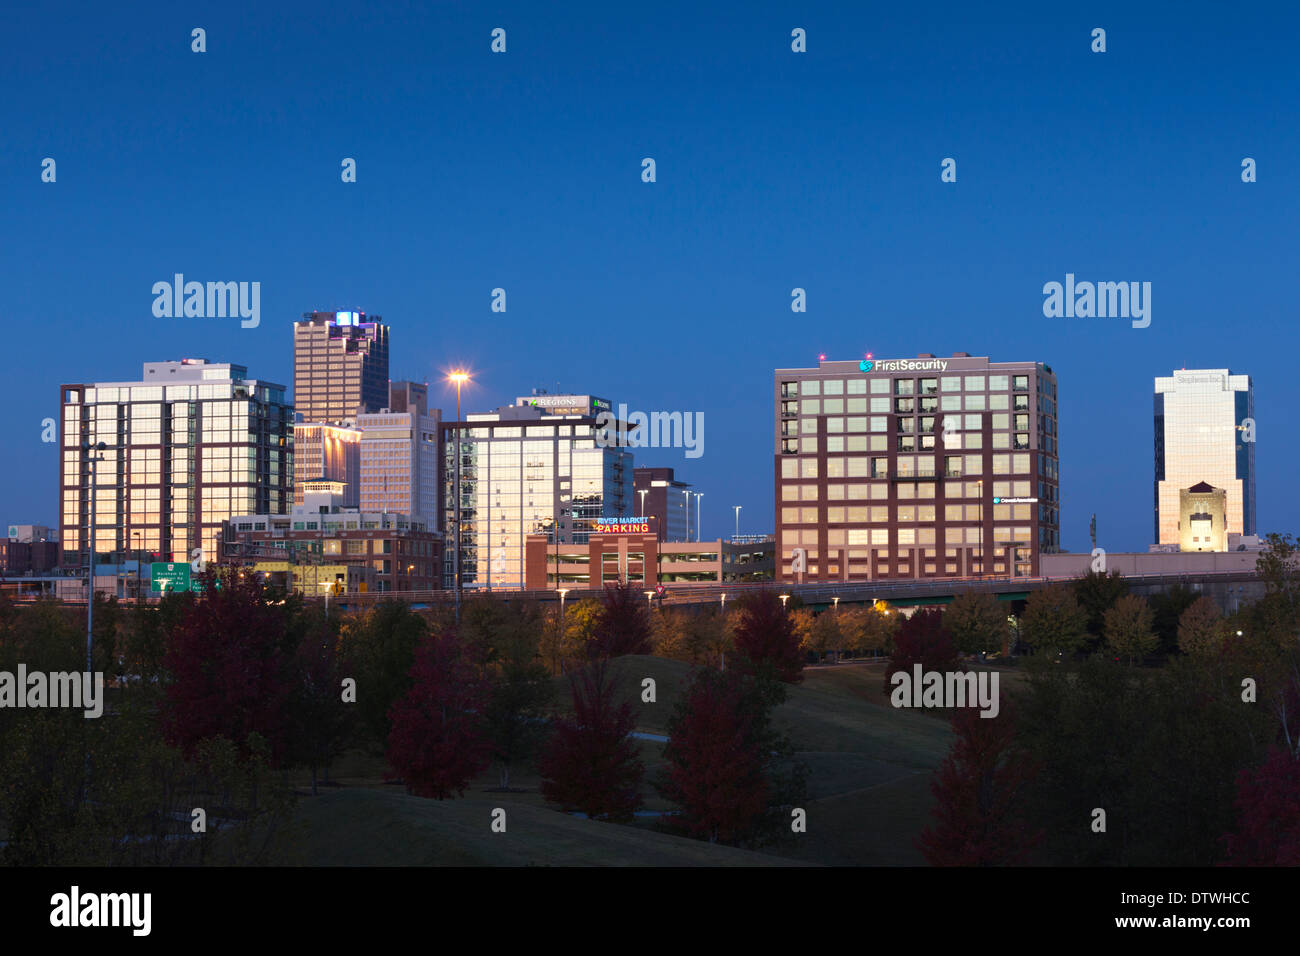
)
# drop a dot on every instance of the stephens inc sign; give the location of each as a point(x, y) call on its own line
point(622, 526)
point(903, 365)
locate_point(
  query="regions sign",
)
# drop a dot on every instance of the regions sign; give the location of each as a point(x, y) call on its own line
point(622, 526)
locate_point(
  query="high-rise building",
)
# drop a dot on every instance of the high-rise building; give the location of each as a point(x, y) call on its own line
point(1202, 436)
point(340, 366)
point(908, 468)
point(327, 453)
point(667, 501)
point(400, 455)
point(186, 447)
point(528, 469)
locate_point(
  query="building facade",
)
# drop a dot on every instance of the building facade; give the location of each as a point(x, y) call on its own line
point(668, 501)
point(187, 446)
point(528, 469)
point(28, 557)
point(403, 553)
point(340, 366)
point(400, 455)
point(907, 468)
point(1204, 432)
point(329, 453)
point(1202, 518)
point(642, 559)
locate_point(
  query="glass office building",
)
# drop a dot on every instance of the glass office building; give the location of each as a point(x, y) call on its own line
point(527, 470)
point(1202, 436)
point(909, 468)
point(188, 446)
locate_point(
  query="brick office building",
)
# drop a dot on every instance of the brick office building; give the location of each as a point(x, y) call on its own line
point(908, 468)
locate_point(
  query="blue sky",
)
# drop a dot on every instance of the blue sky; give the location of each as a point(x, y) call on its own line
point(775, 170)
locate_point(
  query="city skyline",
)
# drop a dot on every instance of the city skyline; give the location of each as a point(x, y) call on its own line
point(686, 280)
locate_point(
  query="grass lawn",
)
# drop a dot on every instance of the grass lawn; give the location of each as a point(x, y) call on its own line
point(868, 791)
point(373, 827)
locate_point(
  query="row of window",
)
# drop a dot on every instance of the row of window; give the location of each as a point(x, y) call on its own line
point(881, 385)
point(910, 466)
point(906, 406)
point(1002, 535)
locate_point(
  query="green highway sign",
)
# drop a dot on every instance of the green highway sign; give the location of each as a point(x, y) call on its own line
point(167, 577)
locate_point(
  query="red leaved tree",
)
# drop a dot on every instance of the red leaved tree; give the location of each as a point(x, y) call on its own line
point(765, 638)
point(978, 790)
point(590, 764)
point(1268, 807)
point(923, 639)
point(716, 760)
point(438, 742)
point(623, 624)
point(229, 665)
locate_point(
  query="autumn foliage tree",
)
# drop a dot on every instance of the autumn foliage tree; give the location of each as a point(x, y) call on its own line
point(765, 638)
point(1268, 807)
point(623, 624)
point(229, 661)
point(590, 764)
point(715, 759)
point(437, 742)
point(922, 639)
point(978, 791)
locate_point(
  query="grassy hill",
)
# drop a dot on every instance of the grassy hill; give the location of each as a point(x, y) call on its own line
point(870, 766)
point(371, 827)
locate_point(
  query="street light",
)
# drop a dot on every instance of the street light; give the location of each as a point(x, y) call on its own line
point(650, 597)
point(457, 378)
point(784, 598)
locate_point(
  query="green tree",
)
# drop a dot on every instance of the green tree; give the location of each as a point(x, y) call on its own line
point(1128, 628)
point(1201, 630)
point(1097, 592)
point(977, 622)
point(378, 650)
point(1053, 621)
point(1168, 607)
